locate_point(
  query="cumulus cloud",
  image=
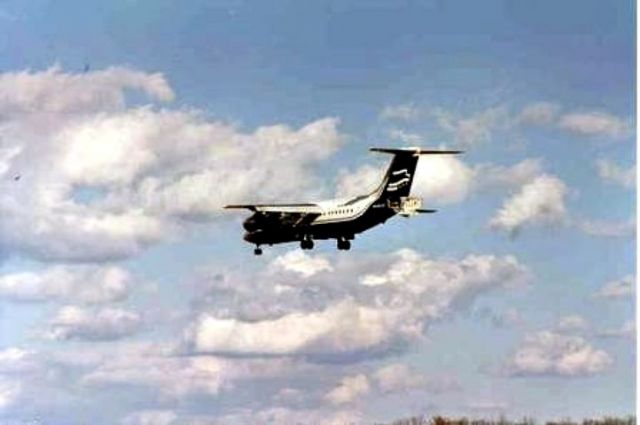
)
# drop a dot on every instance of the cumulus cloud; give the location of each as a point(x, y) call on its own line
point(363, 180)
point(398, 377)
point(627, 330)
point(349, 389)
point(403, 112)
point(607, 228)
point(150, 417)
point(405, 137)
point(541, 201)
point(105, 324)
point(300, 263)
point(102, 180)
point(551, 353)
point(83, 284)
point(619, 288)
point(170, 375)
point(594, 123)
point(475, 129)
point(21, 372)
point(442, 179)
point(10, 391)
point(315, 332)
point(539, 113)
point(388, 302)
point(492, 176)
point(613, 173)
point(573, 322)
point(283, 415)
point(54, 91)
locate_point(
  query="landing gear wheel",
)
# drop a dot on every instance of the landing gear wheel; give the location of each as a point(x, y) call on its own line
point(257, 251)
point(306, 244)
point(344, 244)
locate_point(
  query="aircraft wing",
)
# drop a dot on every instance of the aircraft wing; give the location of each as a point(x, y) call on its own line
point(287, 214)
point(303, 208)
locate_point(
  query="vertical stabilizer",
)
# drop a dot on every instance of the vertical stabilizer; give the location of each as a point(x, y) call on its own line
point(398, 179)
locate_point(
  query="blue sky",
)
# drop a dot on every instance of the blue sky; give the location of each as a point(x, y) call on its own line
point(125, 290)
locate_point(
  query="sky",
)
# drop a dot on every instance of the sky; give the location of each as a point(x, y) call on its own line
point(127, 295)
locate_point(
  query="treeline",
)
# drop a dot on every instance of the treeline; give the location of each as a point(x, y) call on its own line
point(440, 420)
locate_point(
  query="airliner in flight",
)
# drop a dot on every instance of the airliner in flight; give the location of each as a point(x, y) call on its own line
point(339, 219)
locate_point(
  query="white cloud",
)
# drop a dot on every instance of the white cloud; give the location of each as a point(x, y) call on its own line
point(476, 129)
point(620, 288)
point(538, 202)
point(84, 284)
point(300, 263)
point(551, 353)
point(104, 324)
point(411, 292)
point(398, 377)
point(151, 417)
point(54, 91)
point(349, 389)
point(613, 173)
point(363, 180)
point(21, 372)
point(6, 156)
point(147, 171)
point(606, 228)
point(16, 360)
point(281, 415)
point(539, 113)
point(405, 137)
point(442, 179)
point(627, 330)
point(10, 391)
point(489, 176)
point(173, 376)
point(403, 112)
point(594, 124)
point(314, 332)
point(572, 322)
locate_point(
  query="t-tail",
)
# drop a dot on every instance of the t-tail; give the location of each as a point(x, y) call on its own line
point(396, 184)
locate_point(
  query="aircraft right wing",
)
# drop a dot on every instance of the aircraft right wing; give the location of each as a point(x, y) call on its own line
point(301, 208)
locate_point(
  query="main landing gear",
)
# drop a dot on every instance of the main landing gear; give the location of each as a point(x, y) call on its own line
point(306, 243)
point(344, 244)
point(258, 250)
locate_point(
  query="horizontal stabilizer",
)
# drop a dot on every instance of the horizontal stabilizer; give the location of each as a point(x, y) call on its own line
point(421, 211)
point(416, 151)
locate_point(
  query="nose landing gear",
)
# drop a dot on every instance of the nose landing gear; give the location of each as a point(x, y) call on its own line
point(258, 250)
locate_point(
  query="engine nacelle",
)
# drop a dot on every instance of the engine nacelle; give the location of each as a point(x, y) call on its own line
point(254, 222)
point(407, 205)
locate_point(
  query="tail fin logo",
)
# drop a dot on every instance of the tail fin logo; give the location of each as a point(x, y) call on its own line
point(403, 178)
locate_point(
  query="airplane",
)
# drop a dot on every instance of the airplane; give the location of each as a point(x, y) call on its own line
point(339, 219)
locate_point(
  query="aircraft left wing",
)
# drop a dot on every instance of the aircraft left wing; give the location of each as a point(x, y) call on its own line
point(303, 208)
point(288, 214)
